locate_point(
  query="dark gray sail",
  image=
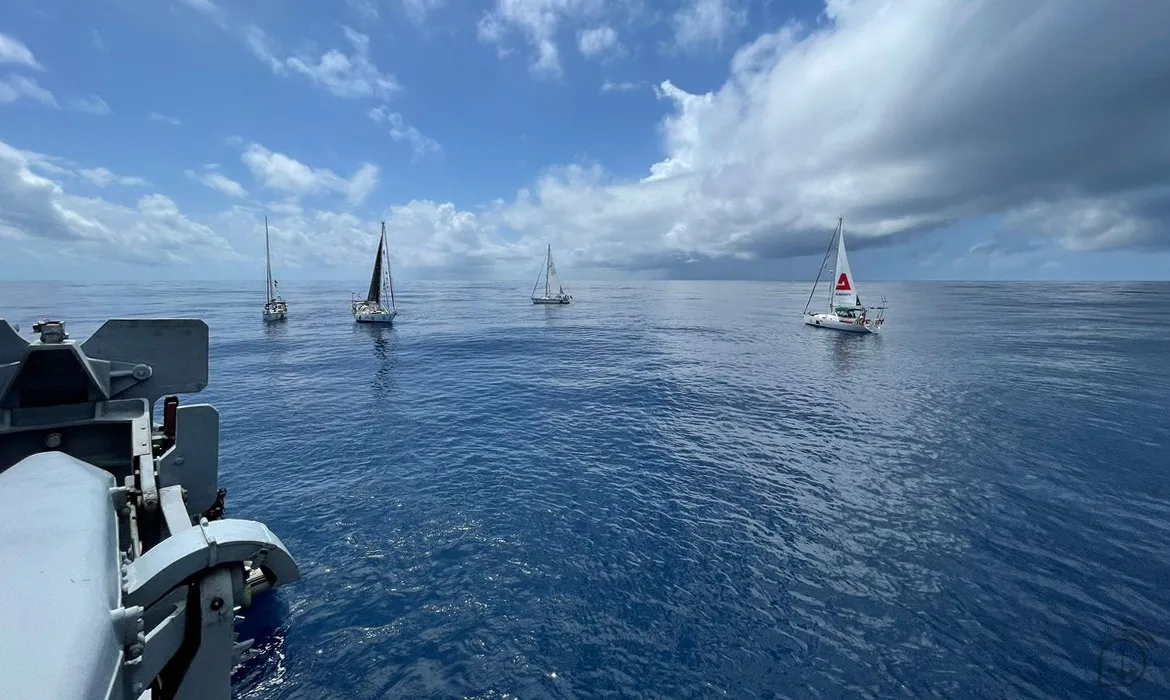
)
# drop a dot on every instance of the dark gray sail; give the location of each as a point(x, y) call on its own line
point(375, 293)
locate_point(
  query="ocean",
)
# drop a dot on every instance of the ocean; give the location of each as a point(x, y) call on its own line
point(678, 490)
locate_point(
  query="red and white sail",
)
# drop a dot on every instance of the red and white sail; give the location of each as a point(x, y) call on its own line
point(844, 289)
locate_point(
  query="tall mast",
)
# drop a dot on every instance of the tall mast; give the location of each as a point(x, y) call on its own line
point(833, 280)
point(547, 267)
point(389, 275)
point(821, 271)
point(268, 259)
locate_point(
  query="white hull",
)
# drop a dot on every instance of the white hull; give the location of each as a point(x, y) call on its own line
point(275, 310)
point(550, 300)
point(836, 323)
point(366, 312)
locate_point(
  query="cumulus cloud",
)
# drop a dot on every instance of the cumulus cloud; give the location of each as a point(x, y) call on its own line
point(34, 206)
point(903, 118)
point(285, 174)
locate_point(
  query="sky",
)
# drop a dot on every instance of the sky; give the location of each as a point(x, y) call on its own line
point(678, 139)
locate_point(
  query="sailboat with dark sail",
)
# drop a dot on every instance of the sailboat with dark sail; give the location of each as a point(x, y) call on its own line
point(373, 308)
point(845, 311)
point(275, 309)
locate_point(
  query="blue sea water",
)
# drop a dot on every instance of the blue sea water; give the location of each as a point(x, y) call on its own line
point(678, 490)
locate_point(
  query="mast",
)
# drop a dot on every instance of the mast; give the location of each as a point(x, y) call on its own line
point(537, 283)
point(389, 274)
point(833, 280)
point(268, 260)
point(821, 271)
point(547, 267)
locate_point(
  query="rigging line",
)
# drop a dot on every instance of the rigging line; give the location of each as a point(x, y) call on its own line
point(822, 270)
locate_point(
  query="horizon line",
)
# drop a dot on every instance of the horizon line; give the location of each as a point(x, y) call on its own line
point(252, 280)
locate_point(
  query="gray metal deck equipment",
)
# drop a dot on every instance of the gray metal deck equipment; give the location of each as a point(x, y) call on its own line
point(119, 576)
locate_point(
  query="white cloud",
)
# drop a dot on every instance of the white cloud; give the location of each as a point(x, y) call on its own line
point(38, 215)
point(210, 10)
point(173, 121)
point(417, 10)
point(218, 182)
point(1085, 223)
point(101, 177)
point(282, 173)
point(708, 22)
point(903, 118)
point(598, 41)
point(538, 21)
point(13, 51)
point(34, 207)
point(366, 10)
point(400, 130)
point(96, 38)
point(623, 86)
point(15, 87)
point(90, 105)
point(345, 75)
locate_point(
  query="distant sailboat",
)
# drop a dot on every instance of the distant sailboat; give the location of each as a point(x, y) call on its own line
point(846, 312)
point(275, 309)
point(373, 309)
point(554, 291)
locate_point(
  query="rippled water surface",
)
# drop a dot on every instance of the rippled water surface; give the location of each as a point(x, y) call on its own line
point(677, 490)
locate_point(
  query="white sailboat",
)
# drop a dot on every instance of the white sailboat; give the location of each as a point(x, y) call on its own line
point(373, 308)
point(275, 309)
point(845, 312)
point(554, 291)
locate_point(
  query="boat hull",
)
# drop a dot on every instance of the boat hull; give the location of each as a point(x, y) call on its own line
point(834, 322)
point(375, 317)
point(276, 310)
point(552, 300)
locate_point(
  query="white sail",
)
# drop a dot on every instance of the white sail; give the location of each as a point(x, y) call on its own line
point(844, 288)
point(552, 282)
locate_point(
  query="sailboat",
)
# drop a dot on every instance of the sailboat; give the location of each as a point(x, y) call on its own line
point(845, 312)
point(554, 291)
point(373, 308)
point(275, 309)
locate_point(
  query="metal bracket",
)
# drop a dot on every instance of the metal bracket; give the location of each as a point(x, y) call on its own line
point(196, 549)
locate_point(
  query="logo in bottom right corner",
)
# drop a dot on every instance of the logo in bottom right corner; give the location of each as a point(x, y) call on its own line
point(1123, 660)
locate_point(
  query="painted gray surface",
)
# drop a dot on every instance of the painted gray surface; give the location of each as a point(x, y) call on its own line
point(113, 556)
point(59, 580)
